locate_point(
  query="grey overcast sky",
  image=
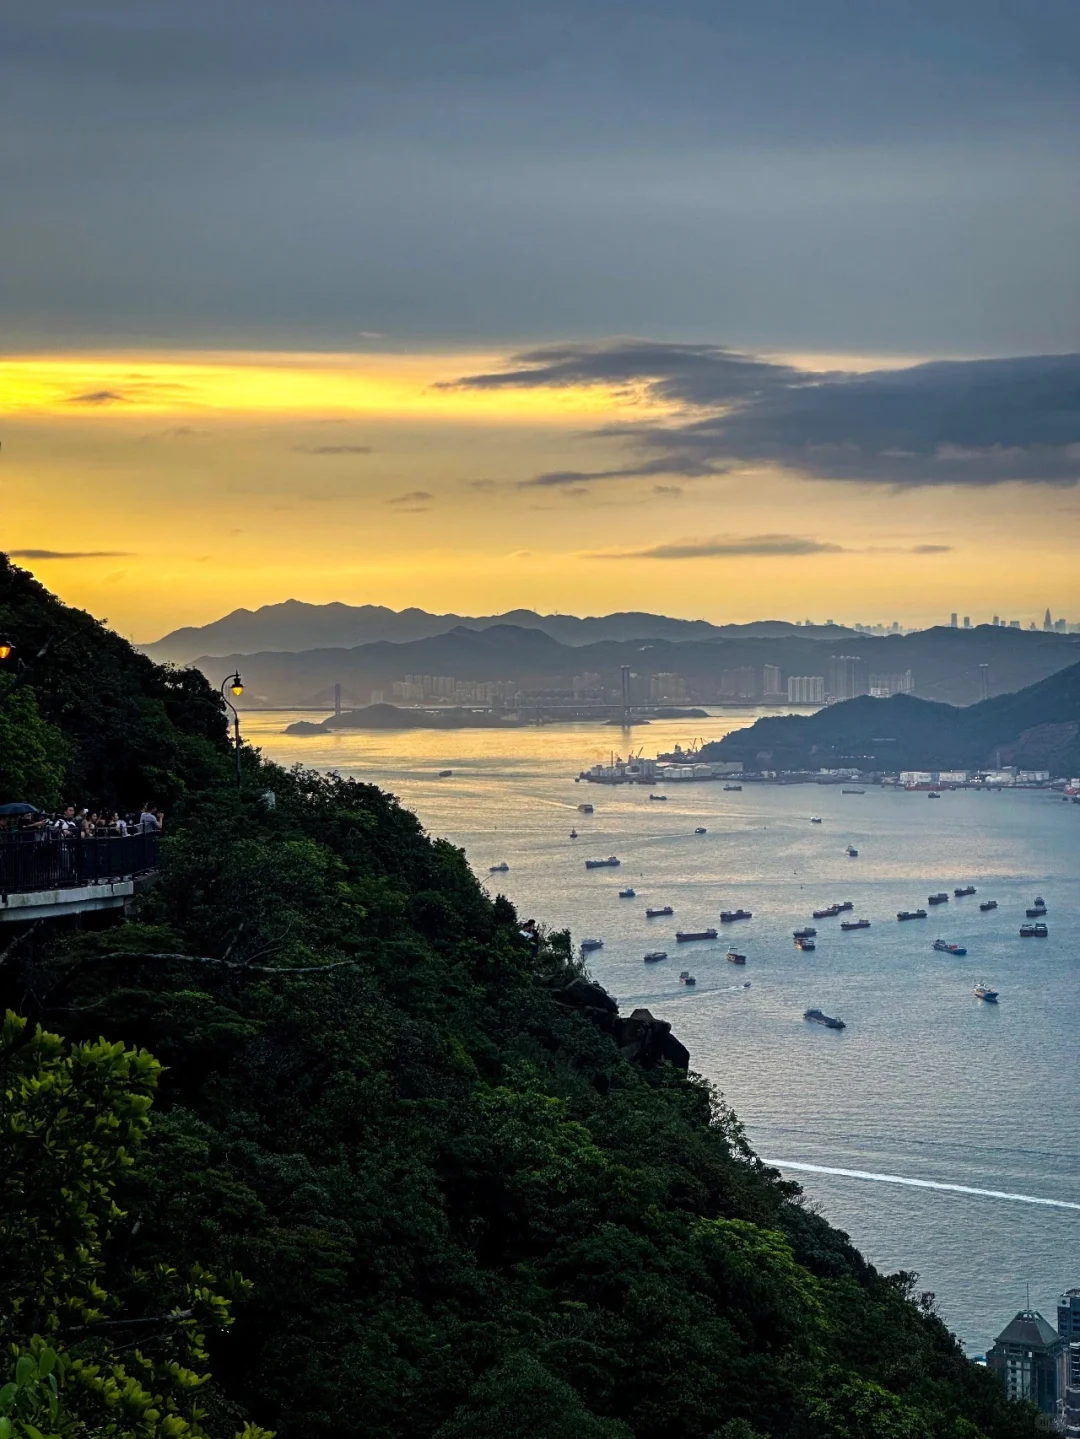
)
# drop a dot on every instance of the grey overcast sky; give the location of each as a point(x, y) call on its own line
point(892, 177)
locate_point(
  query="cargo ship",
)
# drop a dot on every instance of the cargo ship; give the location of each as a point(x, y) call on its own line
point(610, 863)
point(734, 957)
point(988, 904)
point(828, 912)
point(732, 788)
point(940, 898)
point(964, 890)
point(727, 915)
point(983, 991)
point(590, 944)
point(803, 943)
point(1036, 911)
point(817, 1017)
point(655, 955)
point(498, 868)
point(911, 914)
point(944, 947)
point(807, 932)
point(628, 893)
point(657, 912)
point(684, 936)
point(1033, 931)
point(855, 924)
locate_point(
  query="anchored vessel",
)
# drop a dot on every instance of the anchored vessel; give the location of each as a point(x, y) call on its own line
point(627, 893)
point(687, 978)
point(817, 1017)
point(445, 773)
point(804, 943)
point(945, 947)
point(983, 991)
point(498, 868)
point(732, 787)
point(988, 904)
point(727, 915)
point(911, 914)
point(654, 955)
point(965, 889)
point(855, 924)
point(587, 944)
point(610, 863)
point(807, 932)
point(940, 898)
point(1033, 931)
point(683, 936)
point(828, 912)
point(658, 796)
point(1035, 911)
point(701, 829)
point(735, 957)
point(852, 852)
point(657, 912)
point(815, 819)
point(585, 808)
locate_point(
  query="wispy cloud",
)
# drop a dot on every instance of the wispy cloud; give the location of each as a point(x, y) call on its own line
point(97, 397)
point(725, 546)
point(414, 500)
point(332, 449)
point(69, 554)
point(964, 422)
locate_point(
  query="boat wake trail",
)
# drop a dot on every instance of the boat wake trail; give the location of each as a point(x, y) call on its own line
point(921, 1183)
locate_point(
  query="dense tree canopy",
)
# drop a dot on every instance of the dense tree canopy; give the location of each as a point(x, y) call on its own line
point(461, 1208)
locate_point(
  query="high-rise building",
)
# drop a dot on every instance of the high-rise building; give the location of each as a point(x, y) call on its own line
point(882, 686)
point(984, 682)
point(847, 677)
point(806, 689)
point(665, 687)
point(1070, 1408)
point(771, 681)
point(739, 684)
point(952, 620)
point(967, 622)
point(1028, 1356)
point(1068, 1315)
point(1048, 623)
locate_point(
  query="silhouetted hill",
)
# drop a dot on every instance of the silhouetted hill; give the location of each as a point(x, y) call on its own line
point(294, 625)
point(1035, 728)
point(945, 663)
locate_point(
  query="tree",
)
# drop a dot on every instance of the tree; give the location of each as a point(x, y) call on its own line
point(32, 752)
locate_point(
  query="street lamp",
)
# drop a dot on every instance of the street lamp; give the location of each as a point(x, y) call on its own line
point(5, 650)
point(236, 685)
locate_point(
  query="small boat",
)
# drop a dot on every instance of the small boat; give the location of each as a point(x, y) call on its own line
point(847, 904)
point(732, 788)
point(1035, 911)
point(940, 898)
point(1039, 900)
point(851, 852)
point(815, 819)
point(658, 796)
point(988, 904)
point(658, 910)
point(1041, 931)
point(911, 914)
point(590, 944)
point(684, 936)
point(944, 947)
point(686, 977)
point(805, 944)
point(807, 932)
point(1027, 931)
point(933, 794)
point(855, 924)
point(627, 893)
point(828, 912)
point(852, 791)
point(701, 829)
point(585, 808)
point(734, 957)
point(573, 834)
point(727, 915)
point(498, 868)
point(610, 863)
point(983, 991)
point(816, 1017)
point(964, 890)
point(445, 773)
point(655, 955)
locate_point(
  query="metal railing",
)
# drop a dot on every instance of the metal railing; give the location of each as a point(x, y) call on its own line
point(29, 864)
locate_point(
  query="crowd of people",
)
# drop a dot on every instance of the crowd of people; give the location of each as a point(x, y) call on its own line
point(75, 823)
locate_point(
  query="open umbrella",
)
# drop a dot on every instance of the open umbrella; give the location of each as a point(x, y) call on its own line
point(18, 806)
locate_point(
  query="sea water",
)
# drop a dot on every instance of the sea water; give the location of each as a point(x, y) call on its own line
point(926, 1083)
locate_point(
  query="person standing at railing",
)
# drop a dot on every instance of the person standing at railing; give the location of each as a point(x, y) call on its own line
point(148, 820)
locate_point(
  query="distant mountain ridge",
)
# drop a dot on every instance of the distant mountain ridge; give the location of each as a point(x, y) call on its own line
point(1034, 728)
point(295, 625)
point(945, 662)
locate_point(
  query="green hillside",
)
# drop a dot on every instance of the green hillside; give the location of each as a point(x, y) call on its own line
point(1034, 728)
point(385, 1163)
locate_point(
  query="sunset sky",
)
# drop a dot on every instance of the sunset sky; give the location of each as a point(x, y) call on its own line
point(585, 307)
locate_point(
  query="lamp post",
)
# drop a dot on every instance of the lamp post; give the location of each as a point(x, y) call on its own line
point(236, 685)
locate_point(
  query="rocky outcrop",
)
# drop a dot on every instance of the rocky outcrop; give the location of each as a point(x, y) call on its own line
point(641, 1037)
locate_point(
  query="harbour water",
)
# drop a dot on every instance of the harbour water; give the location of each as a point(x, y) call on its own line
point(926, 1083)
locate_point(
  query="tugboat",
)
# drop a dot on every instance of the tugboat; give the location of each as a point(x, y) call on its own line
point(987, 905)
point(734, 957)
point(610, 863)
point(807, 932)
point(627, 893)
point(684, 936)
point(940, 898)
point(658, 911)
point(727, 915)
point(591, 944)
point(851, 852)
point(701, 829)
point(983, 991)
point(855, 924)
point(815, 819)
point(828, 912)
point(655, 955)
point(911, 914)
point(966, 889)
point(803, 943)
point(501, 868)
point(944, 947)
point(687, 978)
point(816, 1017)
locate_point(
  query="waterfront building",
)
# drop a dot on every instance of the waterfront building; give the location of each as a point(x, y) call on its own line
point(806, 689)
point(1068, 1315)
point(917, 776)
point(1070, 1406)
point(771, 682)
point(667, 687)
point(847, 677)
point(882, 686)
point(1028, 1354)
point(739, 684)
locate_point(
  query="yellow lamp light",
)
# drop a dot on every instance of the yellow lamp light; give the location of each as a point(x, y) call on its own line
point(237, 686)
point(5, 650)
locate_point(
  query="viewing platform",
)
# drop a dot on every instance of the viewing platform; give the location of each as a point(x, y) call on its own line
point(50, 878)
